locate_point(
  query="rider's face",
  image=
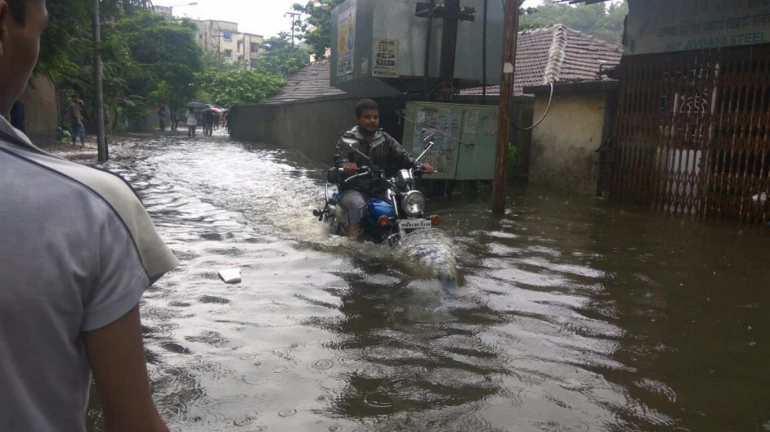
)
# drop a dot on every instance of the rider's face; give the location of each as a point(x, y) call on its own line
point(369, 121)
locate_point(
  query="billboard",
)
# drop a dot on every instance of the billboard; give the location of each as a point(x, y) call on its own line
point(658, 26)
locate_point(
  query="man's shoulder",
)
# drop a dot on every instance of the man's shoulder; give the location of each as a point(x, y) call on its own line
point(121, 201)
point(102, 185)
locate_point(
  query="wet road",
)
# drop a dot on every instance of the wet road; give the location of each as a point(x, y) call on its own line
point(570, 315)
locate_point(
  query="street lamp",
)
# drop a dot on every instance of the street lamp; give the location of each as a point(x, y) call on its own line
point(181, 5)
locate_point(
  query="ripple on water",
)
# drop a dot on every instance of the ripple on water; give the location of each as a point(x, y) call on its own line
point(323, 364)
point(287, 413)
point(209, 338)
point(248, 420)
point(553, 426)
point(334, 384)
point(351, 361)
point(378, 400)
point(213, 299)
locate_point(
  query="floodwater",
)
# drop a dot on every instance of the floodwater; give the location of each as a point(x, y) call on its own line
point(569, 315)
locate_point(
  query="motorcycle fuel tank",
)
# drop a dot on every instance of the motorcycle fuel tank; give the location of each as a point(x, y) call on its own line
point(379, 208)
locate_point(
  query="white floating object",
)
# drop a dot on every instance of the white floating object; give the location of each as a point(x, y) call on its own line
point(761, 198)
point(230, 276)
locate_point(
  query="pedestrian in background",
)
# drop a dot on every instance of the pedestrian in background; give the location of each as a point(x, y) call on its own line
point(208, 122)
point(192, 123)
point(162, 118)
point(174, 120)
point(75, 115)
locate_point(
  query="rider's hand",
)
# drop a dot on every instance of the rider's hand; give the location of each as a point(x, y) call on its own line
point(350, 168)
point(428, 169)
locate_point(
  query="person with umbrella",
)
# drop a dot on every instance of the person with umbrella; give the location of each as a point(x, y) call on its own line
point(208, 121)
point(192, 122)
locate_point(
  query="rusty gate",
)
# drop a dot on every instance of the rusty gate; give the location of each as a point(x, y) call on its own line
point(692, 133)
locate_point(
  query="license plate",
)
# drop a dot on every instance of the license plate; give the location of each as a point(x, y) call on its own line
point(409, 224)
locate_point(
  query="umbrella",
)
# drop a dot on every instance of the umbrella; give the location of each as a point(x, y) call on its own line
point(197, 105)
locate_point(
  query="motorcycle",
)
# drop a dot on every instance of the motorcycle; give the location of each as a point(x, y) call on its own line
point(398, 211)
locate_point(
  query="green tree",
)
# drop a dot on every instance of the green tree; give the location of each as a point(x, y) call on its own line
point(162, 53)
point(280, 58)
point(593, 19)
point(239, 87)
point(316, 27)
point(68, 39)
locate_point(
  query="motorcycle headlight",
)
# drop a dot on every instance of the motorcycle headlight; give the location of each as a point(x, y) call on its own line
point(414, 203)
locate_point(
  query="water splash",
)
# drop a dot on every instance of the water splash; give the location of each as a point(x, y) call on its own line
point(428, 254)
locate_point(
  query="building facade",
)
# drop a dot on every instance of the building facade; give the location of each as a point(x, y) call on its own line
point(223, 40)
point(164, 10)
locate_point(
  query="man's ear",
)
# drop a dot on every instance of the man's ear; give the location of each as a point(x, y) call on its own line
point(4, 17)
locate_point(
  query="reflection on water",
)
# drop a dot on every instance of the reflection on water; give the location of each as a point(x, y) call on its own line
point(569, 314)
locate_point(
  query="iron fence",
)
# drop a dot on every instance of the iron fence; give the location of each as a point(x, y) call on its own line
point(692, 133)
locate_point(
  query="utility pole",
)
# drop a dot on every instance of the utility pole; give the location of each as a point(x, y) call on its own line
point(506, 95)
point(98, 81)
point(294, 16)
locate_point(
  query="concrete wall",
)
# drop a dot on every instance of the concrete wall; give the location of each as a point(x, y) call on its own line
point(312, 128)
point(41, 111)
point(564, 145)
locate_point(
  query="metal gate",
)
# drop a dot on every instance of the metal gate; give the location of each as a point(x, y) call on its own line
point(692, 135)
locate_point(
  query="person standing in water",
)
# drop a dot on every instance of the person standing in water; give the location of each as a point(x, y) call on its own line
point(192, 123)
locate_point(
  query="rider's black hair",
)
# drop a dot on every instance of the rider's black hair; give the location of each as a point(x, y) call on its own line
point(18, 10)
point(366, 104)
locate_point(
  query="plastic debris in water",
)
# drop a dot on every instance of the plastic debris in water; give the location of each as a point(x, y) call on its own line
point(230, 276)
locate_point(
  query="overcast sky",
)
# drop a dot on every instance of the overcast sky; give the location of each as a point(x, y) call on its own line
point(264, 17)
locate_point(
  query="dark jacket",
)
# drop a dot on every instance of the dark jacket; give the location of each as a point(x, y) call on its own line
point(385, 152)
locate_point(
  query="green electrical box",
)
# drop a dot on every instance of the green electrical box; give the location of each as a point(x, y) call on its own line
point(465, 143)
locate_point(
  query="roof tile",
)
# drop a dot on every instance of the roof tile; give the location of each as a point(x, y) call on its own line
point(564, 54)
point(310, 82)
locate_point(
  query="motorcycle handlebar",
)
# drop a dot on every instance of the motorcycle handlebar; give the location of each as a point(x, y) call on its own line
point(361, 172)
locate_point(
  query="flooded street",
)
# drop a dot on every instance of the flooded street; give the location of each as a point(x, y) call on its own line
point(570, 314)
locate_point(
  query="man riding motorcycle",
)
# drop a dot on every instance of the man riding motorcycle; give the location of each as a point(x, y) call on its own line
point(383, 150)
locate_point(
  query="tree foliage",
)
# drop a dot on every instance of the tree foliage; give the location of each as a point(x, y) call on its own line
point(603, 22)
point(280, 58)
point(148, 59)
point(162, 52)
point(316, 26)
point(239, 87)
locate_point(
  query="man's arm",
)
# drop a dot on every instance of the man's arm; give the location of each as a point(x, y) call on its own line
point(341, 153)
point(117, 359)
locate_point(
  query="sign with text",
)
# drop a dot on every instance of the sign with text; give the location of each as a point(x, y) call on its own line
point(346, 41)
point(385, 58)
point(657, 26)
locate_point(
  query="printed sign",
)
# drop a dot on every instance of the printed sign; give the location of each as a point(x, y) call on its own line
point(385, 58)
point(656, 26)
point(346, 41)
point(471, 123)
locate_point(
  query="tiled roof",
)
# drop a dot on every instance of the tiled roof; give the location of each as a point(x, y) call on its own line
point(559, 54)
point(310, 82)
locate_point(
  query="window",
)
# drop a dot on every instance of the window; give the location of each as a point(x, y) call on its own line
point(254, 47)
point(229, 53)
point(240, 45)
point(228, 35)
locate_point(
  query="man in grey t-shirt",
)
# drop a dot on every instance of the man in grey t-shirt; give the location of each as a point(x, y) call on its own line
point(77, 251)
